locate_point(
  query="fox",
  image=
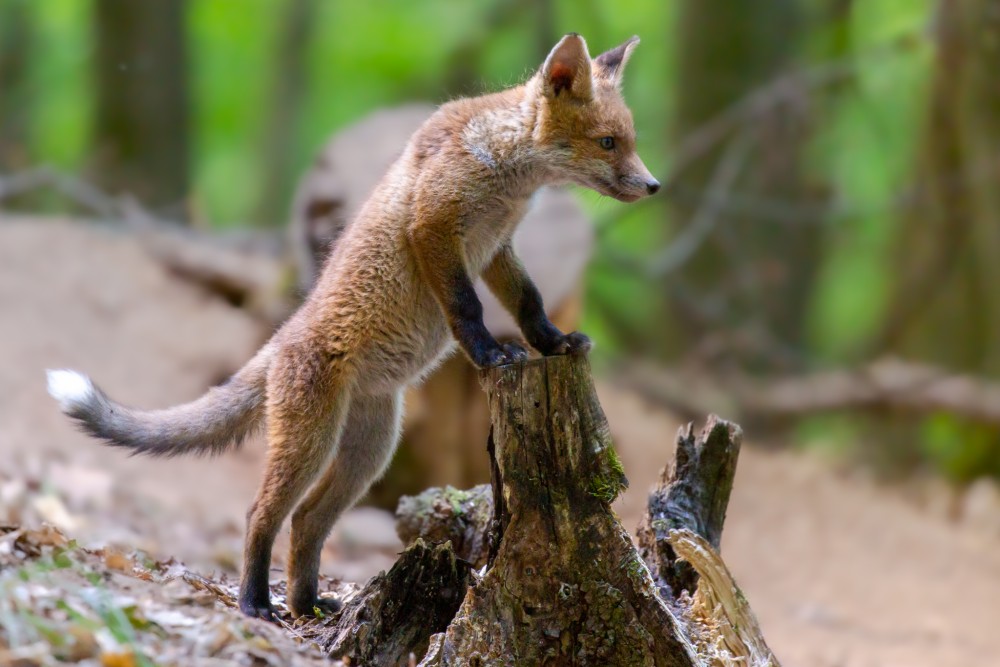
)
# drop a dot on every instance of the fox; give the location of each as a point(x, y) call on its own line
point(394, 297)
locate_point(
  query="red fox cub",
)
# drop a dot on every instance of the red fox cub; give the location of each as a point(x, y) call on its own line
point(395, 291)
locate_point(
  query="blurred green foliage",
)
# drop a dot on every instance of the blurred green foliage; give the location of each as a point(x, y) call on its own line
point(865, 148)
point(364, 55)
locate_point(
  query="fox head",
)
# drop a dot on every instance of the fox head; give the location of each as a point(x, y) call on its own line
point(585, 130)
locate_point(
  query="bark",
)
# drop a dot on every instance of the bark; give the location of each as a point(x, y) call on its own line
point(566, 585)
point(692, 495)
point(680, 537)
point(141, 123)
point(720, 622)
point(449, 515)
point(396, 613)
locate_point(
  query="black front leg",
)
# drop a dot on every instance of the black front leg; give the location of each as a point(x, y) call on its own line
point(539, 331)
point(465, 317)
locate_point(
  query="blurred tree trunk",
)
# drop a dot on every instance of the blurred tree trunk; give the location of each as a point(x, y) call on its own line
point(948, 286)
point(837, 13)
point(757, 265)
point(288, 89)
point(945, 304)
point(16, 41)
point(141, 128)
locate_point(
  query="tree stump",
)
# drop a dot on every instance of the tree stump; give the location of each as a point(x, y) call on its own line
point(680, 539)
point(565, 585)
point(693, 494)
point(396, 612)
point(449, 515)
point(562, 583)
point(718, 618)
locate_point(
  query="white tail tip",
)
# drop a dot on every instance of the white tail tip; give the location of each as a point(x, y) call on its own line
point(69, 388)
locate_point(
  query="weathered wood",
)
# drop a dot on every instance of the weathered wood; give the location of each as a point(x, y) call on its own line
point(449, 515)
point(566, 586)
point(693, 494)
point(718, 618)
point(396, 612)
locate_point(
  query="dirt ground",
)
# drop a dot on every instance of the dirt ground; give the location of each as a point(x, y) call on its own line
point(841, 572)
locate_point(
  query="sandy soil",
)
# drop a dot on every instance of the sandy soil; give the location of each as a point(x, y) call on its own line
point(841, 573)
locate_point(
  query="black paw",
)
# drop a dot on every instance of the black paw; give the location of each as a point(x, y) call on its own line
point(572, 343)
point(263, 611)
point(508, 353)
point(320, 608)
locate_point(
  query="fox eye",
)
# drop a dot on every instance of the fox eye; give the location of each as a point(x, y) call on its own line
point(607, 143)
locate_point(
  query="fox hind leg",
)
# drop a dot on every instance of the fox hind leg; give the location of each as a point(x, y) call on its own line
point(366, 446)
point(307, 408)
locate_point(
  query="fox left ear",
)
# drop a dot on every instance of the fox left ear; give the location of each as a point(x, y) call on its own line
point(568, 69)
point(611, 64)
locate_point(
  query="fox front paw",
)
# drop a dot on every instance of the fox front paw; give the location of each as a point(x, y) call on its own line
point(508, 353)
point(571, 343)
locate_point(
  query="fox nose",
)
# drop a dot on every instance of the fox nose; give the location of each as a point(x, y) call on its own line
point(652, 186)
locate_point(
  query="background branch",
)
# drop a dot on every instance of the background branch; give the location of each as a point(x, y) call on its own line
point(884, 385)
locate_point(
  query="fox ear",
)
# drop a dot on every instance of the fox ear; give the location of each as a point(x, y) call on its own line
point(611, 64)
point(567, 69)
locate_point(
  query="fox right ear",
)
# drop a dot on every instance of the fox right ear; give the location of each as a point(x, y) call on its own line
point(567, 69)
point(611, 64)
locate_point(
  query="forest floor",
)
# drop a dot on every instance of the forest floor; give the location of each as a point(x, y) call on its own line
point(842, 572)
